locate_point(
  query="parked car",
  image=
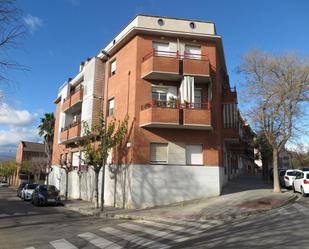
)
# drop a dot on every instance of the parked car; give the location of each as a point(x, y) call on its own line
point(46, 194)
point(281, 177)
point(4, 184)
point(28, 191)
point(289, 177)
point(20, 188)
point(301, 183)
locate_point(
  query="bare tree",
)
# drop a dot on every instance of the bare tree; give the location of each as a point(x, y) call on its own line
point(277, 91)
point(12, 30)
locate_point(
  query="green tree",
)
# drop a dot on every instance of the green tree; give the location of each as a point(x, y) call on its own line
point(97, 144)
point(7, 169)
point(46, 130)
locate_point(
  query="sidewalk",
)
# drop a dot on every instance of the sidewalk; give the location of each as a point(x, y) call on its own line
point(241, 197)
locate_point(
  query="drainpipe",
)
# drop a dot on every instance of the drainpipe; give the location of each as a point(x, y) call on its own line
point(105, 120)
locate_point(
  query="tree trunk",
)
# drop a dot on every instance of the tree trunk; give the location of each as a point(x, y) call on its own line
point(66, 184)
point(275, 171)
point(103, 188)
point(96, 194)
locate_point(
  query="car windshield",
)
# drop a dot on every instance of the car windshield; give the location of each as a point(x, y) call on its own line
point(291, 173)
point(49, 188)
point(22, 185)
point(32, 186)
point(282, 173)
point(307, 176)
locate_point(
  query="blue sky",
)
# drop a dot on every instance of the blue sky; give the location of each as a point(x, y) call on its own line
point(62, 33)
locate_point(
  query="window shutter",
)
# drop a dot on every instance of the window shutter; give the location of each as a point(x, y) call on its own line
point(158, 152)
point(161, 48)
point(193, 52)
point(113, 67)
point(194, 154)
point(75, 159)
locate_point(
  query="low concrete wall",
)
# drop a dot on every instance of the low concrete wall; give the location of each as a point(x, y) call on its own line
point(139, 186)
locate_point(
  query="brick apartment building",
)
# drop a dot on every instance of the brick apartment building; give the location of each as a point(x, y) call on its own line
point(186, 137)
point(35, 154)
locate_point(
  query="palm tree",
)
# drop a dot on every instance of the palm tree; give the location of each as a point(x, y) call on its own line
point(46, 130)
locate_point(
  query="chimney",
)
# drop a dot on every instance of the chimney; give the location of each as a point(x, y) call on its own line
point(81, 66)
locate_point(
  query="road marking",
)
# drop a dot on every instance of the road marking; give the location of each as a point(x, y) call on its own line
point(29, 213)
point(199, 225)
point(99, 241)
point(4, 215)
point(17, 214)
point(176, 228)
point(31, 247)
point(133, 238)
point(153, 232)
point(283, 211)
point(300, 208)
point(62, 244)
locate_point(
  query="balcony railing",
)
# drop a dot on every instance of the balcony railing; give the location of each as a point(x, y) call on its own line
point(231, 131)
point(167, 65)
point(175, 104)
point(71, 132)
point(229, 94)
point(173, 114)
point(74, 98)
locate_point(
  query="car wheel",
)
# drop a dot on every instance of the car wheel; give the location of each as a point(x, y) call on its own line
point(302, 192)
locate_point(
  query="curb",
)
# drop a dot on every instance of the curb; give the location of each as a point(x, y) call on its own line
point(214, 217)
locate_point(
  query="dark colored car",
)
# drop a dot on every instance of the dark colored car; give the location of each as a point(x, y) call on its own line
point(20, 188)
point(281, 177)
point(46, 194)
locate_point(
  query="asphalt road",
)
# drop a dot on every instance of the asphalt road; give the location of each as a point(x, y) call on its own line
point(24, 226)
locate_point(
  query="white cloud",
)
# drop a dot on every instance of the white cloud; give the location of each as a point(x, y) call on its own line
point(14, 117)
point(14, 135)
point(33, 22)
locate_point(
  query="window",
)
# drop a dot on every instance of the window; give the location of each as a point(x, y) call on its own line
point(197, 98)
point(160, 96)
point(193, 52)
point(75, 159)
point(194, 154)
point(158, 153)
point(113, 67)
point(111, 105)
point(161, 48)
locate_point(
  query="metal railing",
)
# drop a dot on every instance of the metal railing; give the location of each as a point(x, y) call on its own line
point(176, 54)
point(175, 104)
point(76, 123)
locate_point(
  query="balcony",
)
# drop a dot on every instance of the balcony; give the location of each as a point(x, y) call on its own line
point(73, 101)
point(171, 114)
point(160, 65)
point(230, 95)
point(196, 65)
point(197, 115)
point(231, 133)
point(70, 133)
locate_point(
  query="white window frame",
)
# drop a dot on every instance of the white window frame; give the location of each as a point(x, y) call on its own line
point(151, 156)
point(111, 110)
point(113, 67)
